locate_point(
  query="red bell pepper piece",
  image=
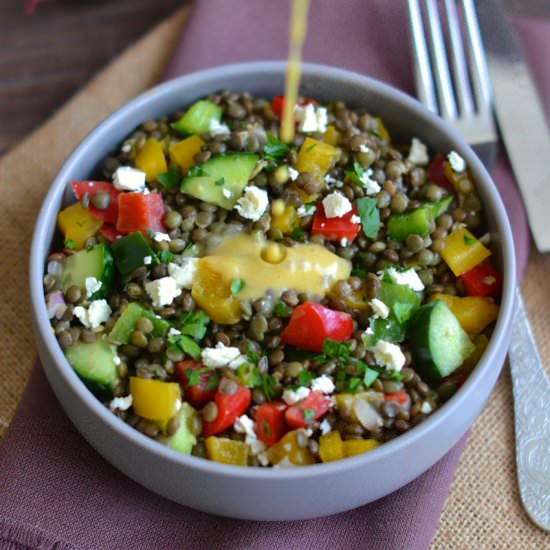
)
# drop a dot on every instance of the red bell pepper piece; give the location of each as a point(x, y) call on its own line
point(110, 214)
point(270, 422)
point(109, 232)
point(399, 397)
point(308, 410)
point(310, 323)
point(140, 212)
point(482, 280)
point(436, 173)
point(229, 408)
point(277, 104)
point(197, 394)
point(335, 229)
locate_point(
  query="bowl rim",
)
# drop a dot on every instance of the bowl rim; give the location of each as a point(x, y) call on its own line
point(439, 417)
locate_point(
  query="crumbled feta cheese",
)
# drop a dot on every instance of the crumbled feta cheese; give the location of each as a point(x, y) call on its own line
point(371, 186)
point(217, 128)
point(325, 427)
point(293, 174)
point(159, 237)
point(379, 308)
point(331, 182)
point(245, 425)
point(220, 356)
point(336, 205)
point(323, 384)
point(97, 313)
point(489, 280)
point(253, 203)
point(92, 286)
point(117, 360)
point(389, 355)
point(458, 164)
point(174, 332)
point(355, 219)
point(364, 148)
point(306, 210)
point(184, 274)
point(147, 260)
point(418, 153)
point(293, 396)
point(284, 463)
point(227, 193)
point(310, 118)
point(409, 278)
point(426, 408)
point(121, 403)
point(344, 242)
point(262, 459)
point(127, 178)
point(162, 291)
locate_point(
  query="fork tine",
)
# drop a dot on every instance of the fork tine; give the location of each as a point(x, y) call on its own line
point(423, 71)
point(478, 65)
point(447, 105)
point(458, 61)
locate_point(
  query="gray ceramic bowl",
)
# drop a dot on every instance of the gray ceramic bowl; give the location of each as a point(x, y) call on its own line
point(254, 493)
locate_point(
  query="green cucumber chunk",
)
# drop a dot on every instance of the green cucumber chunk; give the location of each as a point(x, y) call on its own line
point(416, 222)
point(130, 252)
point(220, 180)
point(438, 343)
point(198, 117)
point(184, 439)
point(95, 365)
point(401, 299)
point(125, 324)
point(436, 208)
point(96, 262)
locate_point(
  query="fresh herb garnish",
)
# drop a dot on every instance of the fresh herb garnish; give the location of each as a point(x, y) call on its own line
point(369, 377)
point(197, 172)
point(353, 384)
point(298, 235)
point(311, 147)
point(281, 309)
point(170, 180)
point(220, 182)
point(194, 323)
point(370, 216)
point(213, 382)
point(396, 376)
point(309, 415)
point(251, 355)
point(165, 257)
point(150, 233)
point(268, 385)
point(69, 244)
point(469, 240)
point(275, 149)
point(193, 376)
point(185, 344)
point(359, 272)
point(335, 350)
point(356, 174)
point(305, 377)
point(265, 426)
point(237, 285)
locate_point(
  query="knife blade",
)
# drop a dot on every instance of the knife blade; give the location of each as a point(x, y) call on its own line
point(520, 116)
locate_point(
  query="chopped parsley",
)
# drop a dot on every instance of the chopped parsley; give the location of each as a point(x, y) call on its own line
point(165, 257)
point(369, 377)
point(269, 386)
point(194, 323)
point(197, 172)
point(356, 174)
point(275, 149)
point(311, 147)
point(266, 428)
point(252, 356)
point(469, 240)
point(213, 381)
point(220, 182)
point(69, 244)
point(359, 272)
point(281, 309)
point(186, 344)
point(170, 180)
point(370, 216)
point(309, 415)
point(305, 377)
point(353, 384)
point(298, 235)
point(237, 285)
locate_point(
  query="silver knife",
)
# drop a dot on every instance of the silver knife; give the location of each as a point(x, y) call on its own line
point(520, 116)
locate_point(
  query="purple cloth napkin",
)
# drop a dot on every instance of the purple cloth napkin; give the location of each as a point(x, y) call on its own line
point(57, 492)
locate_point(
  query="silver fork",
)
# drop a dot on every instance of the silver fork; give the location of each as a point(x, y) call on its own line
point(464, 101)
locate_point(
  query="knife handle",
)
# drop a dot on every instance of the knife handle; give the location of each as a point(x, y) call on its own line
point(532, 419)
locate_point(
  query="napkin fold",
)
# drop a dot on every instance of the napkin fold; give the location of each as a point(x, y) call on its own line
point(57, 492)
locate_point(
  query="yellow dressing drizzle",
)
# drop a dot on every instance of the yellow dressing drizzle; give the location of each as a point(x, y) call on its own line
point(298, 28)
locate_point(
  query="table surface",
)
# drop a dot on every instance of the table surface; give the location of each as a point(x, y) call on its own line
point(47, 56)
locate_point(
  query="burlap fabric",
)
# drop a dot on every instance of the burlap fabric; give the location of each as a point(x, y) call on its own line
point(482, 511)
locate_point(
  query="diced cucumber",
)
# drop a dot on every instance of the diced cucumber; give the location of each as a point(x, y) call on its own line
point(438, 343)
point(130, 253)
point(184, 439)
point(436, 208)
point(416, 222)
point(401, 299)
point(221, 179)
point(96, 262)
point(198, 117)
point(123, 328)
point(95, 364)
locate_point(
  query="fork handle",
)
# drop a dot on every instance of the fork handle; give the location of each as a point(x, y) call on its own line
point(532, 419)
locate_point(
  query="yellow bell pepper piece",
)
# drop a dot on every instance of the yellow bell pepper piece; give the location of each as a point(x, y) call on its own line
point(345, 402)
point(332, 136)
point(317, 158)
point(287, 448)
point(77, 224)
point(182, 152)
point(331, 447)
point(284, 217)
point(212, 291)
point(472, 312)
point(154, 399)
point(227, 451)
point(357, 299)
point(359, 446)
point(151, 160)
point(463, 251)
point(480, 342)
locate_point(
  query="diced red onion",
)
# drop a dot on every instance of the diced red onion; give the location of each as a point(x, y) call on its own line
point(55, 304)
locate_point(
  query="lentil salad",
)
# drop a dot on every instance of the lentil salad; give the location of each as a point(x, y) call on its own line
point(155, 311)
